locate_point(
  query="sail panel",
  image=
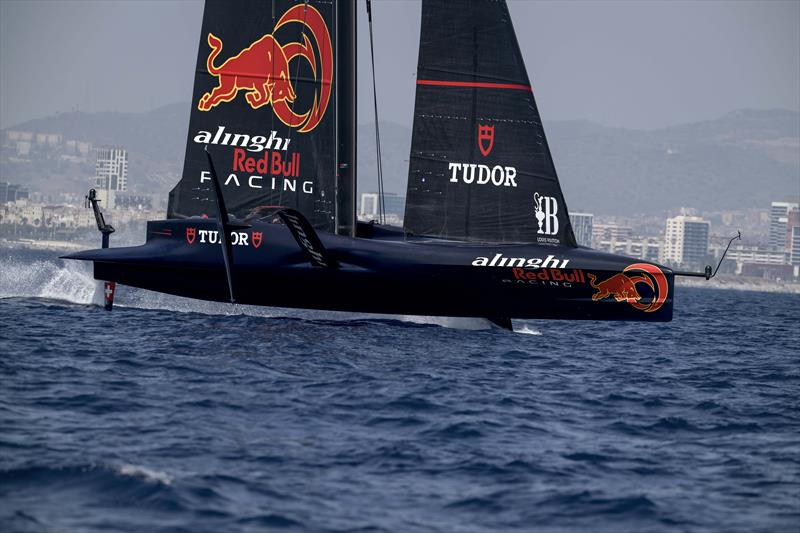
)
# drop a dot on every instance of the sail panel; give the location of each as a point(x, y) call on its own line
point(263, 103)
point(480, 167)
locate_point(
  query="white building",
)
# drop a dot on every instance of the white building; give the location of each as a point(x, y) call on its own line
point(778, 220)
point(756, 255)
point(686, 240)
point(50, 139)
point(647, 248)
point(760, 261)
point(611, 232)
point(794, 251)
point(369, 206)
point(582, 225)
point(111, 174)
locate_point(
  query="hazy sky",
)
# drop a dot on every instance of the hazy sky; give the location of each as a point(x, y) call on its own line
point(632, 64)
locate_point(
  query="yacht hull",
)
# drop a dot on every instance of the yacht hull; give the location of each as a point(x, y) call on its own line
point(390, 273)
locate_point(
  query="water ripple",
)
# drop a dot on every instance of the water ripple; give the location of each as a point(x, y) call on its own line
point(174, 415)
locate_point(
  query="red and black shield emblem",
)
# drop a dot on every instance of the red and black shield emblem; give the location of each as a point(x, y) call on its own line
point(190, 234)
point(485, 139)
point(256, 239)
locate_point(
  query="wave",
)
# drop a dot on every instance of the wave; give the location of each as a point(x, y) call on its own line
point(93, 472)
point(69, 282)
point(527, 330)
point(115, 484)
point(147, 474)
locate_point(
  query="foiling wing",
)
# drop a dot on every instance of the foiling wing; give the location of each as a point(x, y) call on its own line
point(480, 167)
point(263, 103)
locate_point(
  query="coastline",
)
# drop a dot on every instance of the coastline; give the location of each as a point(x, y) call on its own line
point(31, 244)
point(741, 283)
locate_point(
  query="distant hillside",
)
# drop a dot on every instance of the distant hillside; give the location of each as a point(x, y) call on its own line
point(744, 159)
point(155, 141)
point(159, 134)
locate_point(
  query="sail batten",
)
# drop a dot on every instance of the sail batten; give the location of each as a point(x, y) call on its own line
point(480, 168)
point(475, 84)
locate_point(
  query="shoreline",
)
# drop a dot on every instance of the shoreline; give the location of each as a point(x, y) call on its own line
point(741, 284)
point(55, 246)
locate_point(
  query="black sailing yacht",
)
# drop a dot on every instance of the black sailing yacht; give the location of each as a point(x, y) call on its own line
point(265, 211)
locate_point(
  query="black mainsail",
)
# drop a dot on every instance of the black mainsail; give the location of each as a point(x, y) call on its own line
point(480, 167)
point(263, 102)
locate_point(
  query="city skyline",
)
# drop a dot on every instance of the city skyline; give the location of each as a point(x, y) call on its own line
point(747, 146)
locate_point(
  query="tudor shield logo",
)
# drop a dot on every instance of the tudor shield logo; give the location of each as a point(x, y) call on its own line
point(191, 233)
point(257, 239)
point(485, 139)
point(480, 174)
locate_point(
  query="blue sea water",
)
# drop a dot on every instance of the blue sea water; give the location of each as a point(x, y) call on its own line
point(173, 415)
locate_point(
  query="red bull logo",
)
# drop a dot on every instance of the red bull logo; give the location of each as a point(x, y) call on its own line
point(623, 286)
point(262, 71)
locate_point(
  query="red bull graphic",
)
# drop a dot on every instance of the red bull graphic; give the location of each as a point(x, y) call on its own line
point(262, 71)
point(622, 286)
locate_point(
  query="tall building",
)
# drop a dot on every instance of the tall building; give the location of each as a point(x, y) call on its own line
point(11, 192)
point(369, 205)
point(611, 232)
point(792, 220)
point(582, 225)
point(648, 248)
point(111, 173)
point(793, 240)
point(794, 251)
point(778, 223)
point(686, 240)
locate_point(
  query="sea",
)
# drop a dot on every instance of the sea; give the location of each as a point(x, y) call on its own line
point(171, 415)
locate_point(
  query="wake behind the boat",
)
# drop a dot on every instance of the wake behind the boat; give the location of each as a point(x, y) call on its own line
point(72, 282)
point(54, 280)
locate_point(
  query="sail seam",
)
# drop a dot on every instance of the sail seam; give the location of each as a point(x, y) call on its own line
point(493, 119)
point(476, 84)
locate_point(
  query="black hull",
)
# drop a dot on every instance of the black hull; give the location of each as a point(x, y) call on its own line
point(390, 274)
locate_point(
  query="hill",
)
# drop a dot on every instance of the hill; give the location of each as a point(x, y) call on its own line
point(744, 159)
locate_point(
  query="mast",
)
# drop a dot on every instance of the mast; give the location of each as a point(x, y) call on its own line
point(346, 117)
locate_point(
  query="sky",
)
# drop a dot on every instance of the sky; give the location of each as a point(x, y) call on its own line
point(643, 65)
